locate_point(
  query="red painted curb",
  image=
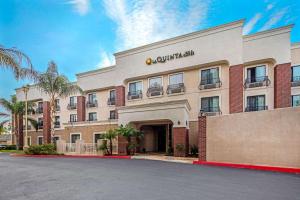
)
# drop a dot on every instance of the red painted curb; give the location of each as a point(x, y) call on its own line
point(70, 156)
point(254, 167)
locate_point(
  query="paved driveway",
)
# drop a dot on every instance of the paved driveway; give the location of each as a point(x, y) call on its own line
point(111, 179)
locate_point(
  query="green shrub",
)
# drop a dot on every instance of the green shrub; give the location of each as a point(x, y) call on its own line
point(45, 149)
point(194, 150)
point(11, 147)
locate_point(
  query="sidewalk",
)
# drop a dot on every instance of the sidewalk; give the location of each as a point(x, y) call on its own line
point(161, 157)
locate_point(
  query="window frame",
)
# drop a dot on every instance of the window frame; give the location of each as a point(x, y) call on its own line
point(96, 133)
point(71, 117)
point(92, 114)
point(169, 75)
point(38, 137)
point(74, 134)
point(142, 83)
point(292, 103)
point(161, 77)
point(207, 97)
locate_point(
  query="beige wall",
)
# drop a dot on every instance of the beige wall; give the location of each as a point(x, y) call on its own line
point(260, 138)
point(295, 54)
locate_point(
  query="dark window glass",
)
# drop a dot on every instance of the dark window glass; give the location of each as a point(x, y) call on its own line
point(256, 74)
point(295, 100)
point(40, 140)
point(210, 76)
point(210, 104)
point(92, 98)
point(73, 118)
point(92, 116)
point(255, 103)
point(98, 136)
point(296, 73)
point(112, 94)
point(75, 137)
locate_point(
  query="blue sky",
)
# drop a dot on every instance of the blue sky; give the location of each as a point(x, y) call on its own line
point(81, 35)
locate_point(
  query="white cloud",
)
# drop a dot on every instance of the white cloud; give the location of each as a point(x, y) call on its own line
point(275, 18)
point(81, 6)
point(270, 6)
point(252, 22)
point(140, 22)
point(106, 60)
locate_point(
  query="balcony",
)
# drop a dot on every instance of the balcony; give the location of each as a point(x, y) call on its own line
point(135, 95)
point(72, 106)
point(111, 101)
point(155, 90)
point(210, 111)
point(92, 104)
point(210, 83)
point(257, 82)
point(296, 81)
point(176, 88)
point(255, 108)
point(56, 124)
point(39, 110)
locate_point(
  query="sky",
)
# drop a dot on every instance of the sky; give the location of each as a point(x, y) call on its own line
point(82, 35)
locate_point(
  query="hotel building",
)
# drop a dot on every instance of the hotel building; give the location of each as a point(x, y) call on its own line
point(166, 88)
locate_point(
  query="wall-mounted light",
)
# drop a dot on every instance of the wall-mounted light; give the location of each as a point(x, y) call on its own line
point(178, 122)
point(201, 112)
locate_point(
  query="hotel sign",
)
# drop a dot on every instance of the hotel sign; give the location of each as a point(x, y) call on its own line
point(163, 59)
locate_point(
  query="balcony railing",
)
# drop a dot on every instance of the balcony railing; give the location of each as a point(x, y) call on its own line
point(135, 95)
point(296, 81)
point(72, 106)
point(257, 82)
point(155, 90)
point(255, 108)
point(111, 101)
point(92, 104)
point(210, 111)
point(92, 119)
point(175, 88)
point(210, 83)
point(39, 110)
point(56, 124)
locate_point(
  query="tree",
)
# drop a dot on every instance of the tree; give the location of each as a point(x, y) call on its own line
point(110, 135)
point(55, 86)
point(129, 132)
point(11, 58)
point(15, 109)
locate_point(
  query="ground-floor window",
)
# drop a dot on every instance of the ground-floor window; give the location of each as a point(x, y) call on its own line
point(296, 100)
point(98, 136)
point(40, 140)
point(29, 140)
point(256, 103)
point(74, 137)
point(55, 138)
point(210, 104)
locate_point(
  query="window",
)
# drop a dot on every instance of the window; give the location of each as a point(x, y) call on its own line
point(112, 94)
point(29, 140)
point(57, 122)
point(92, 98)
point(176, 79)
point(73, 118)
point(210, 104)
point(40, 108)
point(296, 100)
point(73, 101)
point(296, 73)
point(56, 138)
point(256, 103)
point(210, 76)
point(93, 116)
point(98, 136)
point(40, 123)
point(135, 87)
point(40, 140)
point(75, 137)
point(155, 82)
point(112, 114)
point(57, 107)
point(256, 74)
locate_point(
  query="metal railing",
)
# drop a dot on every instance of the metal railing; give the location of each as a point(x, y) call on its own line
point(135, 95)
point(210, 83)
point(111, 101)
point(72, 106)
point(175, 88)
point(155, 90)
point(92, 104)
point(257, 82)
point(210, 111)
point(295, 81)
point(255, 108)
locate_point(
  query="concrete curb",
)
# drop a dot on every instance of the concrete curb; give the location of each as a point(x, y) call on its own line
point(70, 156)
point(253, 167)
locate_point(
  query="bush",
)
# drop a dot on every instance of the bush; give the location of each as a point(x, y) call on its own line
point(45, 149)
point(194, 150)
point(11, 147)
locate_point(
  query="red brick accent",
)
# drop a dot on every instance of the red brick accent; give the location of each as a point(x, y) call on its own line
point(282, 85)
point(236, 88)
point(180, 136)
point(202, 138)
point(19, 130)
point(120, 96)
point(122, 143)
point(81, 111)
point(46, 122)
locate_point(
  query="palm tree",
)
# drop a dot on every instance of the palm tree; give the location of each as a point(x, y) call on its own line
point(12, 58)
point(55, 86)
point(16, 110)
point(110, 135)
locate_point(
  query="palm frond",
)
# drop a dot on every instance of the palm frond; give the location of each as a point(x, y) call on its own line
point(7, 105)
point(5, 115)
point(34, 123)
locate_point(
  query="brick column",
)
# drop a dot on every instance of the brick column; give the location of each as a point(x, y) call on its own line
point(122, 143)
point(282, 85)
point(202, 138)
point(180, 137)
point(81, 111)
point(120, 96)
point(46, 122)
point(236, 88)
